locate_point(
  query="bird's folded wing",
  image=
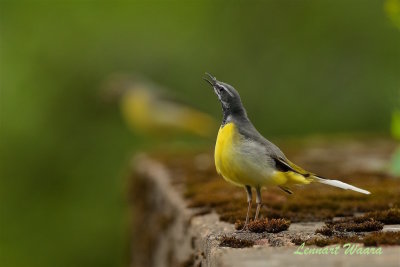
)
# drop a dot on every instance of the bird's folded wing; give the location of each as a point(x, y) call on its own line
point(285, 165)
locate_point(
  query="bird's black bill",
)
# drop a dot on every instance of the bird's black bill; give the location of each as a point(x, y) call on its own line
point(212, 81)
point(211, 77)
point(204, 78)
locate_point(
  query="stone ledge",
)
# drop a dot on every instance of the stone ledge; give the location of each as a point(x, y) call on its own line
point(187, 239)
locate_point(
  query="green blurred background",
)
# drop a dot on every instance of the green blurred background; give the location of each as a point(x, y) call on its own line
point(302, 68)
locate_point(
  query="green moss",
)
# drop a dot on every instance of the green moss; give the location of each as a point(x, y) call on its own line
point(320, 242)
point(326, 230)
point(297, 241)
point(371, 239)
point(265, 225)
point(233, 242)
point(382, 238)
point(390, 216)
point(353, 224)
point(366, 226)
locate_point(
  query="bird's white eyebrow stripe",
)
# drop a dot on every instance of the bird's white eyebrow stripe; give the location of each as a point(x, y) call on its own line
point(227, 90)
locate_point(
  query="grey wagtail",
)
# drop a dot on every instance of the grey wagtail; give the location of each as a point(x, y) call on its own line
point(148, 108)
point(246, 159)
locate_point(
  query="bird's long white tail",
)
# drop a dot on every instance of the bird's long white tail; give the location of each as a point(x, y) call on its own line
point(340, 184)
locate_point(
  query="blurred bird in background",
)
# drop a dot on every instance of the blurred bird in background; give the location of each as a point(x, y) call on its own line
point(147, 108)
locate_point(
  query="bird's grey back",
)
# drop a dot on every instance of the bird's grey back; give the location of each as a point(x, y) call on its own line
point(248, 131)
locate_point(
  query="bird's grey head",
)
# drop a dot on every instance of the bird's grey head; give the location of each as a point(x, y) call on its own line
point(227, 95)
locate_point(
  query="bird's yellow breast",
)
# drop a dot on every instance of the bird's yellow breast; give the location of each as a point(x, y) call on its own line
point(225, 152)
point(234, 163)
point(225, 140)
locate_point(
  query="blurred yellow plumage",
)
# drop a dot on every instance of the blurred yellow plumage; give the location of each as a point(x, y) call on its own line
point(147, 109)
